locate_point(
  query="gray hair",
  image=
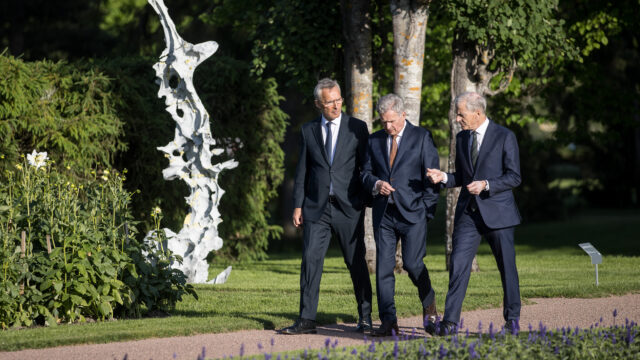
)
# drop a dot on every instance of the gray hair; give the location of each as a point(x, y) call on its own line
point(390, 102)
point(472, 100)
point(325, 83)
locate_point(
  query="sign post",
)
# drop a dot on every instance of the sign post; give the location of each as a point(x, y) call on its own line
point(596, 257)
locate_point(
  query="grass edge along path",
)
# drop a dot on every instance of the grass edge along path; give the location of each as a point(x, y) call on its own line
point(566, 313)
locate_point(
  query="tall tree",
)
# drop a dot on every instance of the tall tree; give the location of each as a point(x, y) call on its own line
point(356, 25)
point(492, 39)
point(409, 25)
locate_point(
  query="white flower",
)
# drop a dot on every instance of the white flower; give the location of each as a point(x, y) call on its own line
point(37, 159)
point(156, 211)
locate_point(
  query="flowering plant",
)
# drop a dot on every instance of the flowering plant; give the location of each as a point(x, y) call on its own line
point(37, 159)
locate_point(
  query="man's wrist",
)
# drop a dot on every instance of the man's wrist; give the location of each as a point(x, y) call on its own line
point(375, 190)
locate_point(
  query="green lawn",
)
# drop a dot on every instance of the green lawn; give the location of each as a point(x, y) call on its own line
point(264, 295)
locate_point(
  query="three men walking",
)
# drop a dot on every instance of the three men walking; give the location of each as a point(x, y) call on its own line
point(341, 167)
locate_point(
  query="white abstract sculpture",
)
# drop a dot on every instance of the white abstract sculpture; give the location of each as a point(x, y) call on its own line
point(190, 152)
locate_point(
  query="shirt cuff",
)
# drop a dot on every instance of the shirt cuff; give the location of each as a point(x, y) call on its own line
point(486, 188)
point(374, 191)
point(444, 178)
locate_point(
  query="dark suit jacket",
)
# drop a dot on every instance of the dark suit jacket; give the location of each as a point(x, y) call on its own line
point(415, 196)
point(498, 163)
point(314, 174)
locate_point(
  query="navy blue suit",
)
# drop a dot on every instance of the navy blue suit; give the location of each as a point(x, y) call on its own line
point(494, 216)
point(415, 201)
point(343, 216)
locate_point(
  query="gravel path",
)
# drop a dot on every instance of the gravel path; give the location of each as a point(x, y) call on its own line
point(553, 312)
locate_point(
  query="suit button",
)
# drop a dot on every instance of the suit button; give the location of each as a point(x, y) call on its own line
point(391, 179)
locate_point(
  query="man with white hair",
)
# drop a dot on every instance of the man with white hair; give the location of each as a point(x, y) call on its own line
point(404, 200)
point(487, 168)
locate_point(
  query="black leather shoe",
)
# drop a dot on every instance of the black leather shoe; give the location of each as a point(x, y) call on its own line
point(512, 327)
point(429, 318)
point(364, 325)
point(448, 328)
point(302, 326)
point(387, 328)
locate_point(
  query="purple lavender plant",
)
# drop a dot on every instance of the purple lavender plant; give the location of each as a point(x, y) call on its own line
point(472, 351)
point(442, 352)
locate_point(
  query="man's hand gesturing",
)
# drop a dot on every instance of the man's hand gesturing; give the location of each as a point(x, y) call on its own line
point(435, 175)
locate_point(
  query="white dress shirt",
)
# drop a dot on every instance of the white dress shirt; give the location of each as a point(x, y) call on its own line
point(480, 131)
point(389, 140)
point(335, 128)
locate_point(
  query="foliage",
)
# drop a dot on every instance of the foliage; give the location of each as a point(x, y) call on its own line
point(153, 281)
point(92, 260)
point(524, 32)
point(250, 114)
point(436, 89)
point(55, 106)
point(299, 41)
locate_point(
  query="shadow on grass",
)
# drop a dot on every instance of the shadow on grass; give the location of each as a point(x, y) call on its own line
point(266, 318)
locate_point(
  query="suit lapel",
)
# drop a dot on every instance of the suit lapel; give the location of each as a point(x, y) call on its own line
point(317, 133)
point(405, 142)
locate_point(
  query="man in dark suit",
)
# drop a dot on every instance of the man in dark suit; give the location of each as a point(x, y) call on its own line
point(487, 168)
point(404, 200)
point(328, 198)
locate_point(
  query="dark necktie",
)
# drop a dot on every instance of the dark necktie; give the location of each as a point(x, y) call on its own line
point(394, 150)
point(327, 143)
point(474, 148)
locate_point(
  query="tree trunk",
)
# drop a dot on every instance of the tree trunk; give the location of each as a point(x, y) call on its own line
point(461, 81)
point(409, 26)
point(356, 20)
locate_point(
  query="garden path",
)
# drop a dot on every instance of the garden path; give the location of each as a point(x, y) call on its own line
point(552, 312)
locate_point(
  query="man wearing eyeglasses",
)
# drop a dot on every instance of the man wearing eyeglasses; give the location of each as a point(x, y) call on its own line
point(329, 200)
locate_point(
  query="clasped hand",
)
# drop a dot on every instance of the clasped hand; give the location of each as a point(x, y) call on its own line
point(384, 188)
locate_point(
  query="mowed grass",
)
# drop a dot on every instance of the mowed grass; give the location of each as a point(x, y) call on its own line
point(265, 295)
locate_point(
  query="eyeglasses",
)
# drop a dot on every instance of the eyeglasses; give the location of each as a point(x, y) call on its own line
point(332, 102)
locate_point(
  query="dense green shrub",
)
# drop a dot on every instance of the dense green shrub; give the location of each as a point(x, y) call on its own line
point(95, 268)
point(59, 108)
